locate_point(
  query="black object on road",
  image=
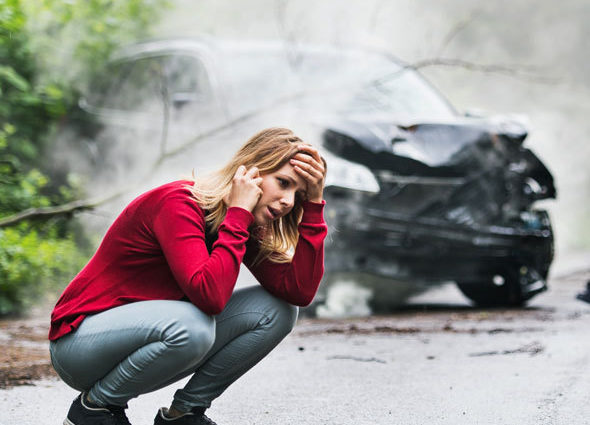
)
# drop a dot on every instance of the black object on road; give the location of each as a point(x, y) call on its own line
point(585, 296)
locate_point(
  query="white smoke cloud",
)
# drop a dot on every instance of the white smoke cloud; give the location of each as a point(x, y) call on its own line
point(548, 39)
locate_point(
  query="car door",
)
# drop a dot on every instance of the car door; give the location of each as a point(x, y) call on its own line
point(194, 103)
point(154, 108)
point(126, 101)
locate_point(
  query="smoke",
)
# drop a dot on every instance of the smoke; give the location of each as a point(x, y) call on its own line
point(360, 295)
point(545, 39)
point(542, 42)
point(548, 39)
point(346, 299)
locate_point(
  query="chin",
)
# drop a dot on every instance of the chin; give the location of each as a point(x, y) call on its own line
point(263, 223)
point(258, 221)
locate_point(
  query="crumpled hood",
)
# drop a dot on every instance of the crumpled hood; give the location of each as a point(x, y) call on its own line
point(433, 144)
point(456, 148)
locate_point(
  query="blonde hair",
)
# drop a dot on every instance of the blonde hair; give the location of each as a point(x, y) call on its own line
point(268, 150)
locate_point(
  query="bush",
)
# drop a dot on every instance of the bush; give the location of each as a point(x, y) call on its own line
point(33, 263)
point(48, 50)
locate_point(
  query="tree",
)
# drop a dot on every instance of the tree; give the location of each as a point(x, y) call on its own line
point(48, 50)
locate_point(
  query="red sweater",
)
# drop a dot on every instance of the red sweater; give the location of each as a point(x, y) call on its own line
point(156, 250)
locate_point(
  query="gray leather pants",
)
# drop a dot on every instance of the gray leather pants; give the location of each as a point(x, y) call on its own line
point(140, 347)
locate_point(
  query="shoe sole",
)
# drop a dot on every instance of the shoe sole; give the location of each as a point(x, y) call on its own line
point(68, 422)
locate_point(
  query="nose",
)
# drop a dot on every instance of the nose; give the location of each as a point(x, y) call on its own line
point(288, 200)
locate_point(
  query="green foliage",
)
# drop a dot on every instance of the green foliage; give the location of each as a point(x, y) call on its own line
point(73, 38)
point(33, 262)
point(48, 51)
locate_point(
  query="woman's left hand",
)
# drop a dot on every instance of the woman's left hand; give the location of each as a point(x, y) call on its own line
point(311, 166)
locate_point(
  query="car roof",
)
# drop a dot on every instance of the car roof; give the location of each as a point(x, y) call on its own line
point(213, 46)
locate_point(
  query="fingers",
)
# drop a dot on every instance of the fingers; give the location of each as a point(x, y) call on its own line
point(252, 172)
point(253, 175)
point(309, 160)
point(310, 165)
point(308, 170)
point(240, 171)
point(310, 150)
point(307, 151)
point(245, 189)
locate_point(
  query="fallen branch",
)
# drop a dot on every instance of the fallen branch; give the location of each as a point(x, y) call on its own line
point(520, 71)
point(165, 154)
point(81, 205)
point(65, 209)
point(456, 30)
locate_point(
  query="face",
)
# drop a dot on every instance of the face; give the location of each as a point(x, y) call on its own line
point(280, 190)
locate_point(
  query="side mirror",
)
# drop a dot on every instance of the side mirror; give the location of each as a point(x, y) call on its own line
point(474, 113)
point(180, 99)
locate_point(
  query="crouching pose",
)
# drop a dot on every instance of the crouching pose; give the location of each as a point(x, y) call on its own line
point(156, 303)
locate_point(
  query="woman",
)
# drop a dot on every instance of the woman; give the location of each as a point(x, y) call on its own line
point(156, 301)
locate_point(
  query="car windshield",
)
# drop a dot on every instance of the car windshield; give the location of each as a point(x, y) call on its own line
point(351, 82)
point(403, 95)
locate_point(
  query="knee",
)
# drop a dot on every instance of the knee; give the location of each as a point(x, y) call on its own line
point(199, 338)
point(279, 315)
point(192, 332)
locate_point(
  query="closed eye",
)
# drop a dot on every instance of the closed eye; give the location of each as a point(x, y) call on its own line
point(283, 182)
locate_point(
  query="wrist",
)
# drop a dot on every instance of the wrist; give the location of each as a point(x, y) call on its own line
point(315, 196)
point(241, 214)
point(244, 207)
point(237, 204)
point(316, 200)
point(313, 212)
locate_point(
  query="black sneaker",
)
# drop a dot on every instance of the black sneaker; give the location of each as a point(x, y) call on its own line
point(196, 417)
point(83, 413)
point(585, 296)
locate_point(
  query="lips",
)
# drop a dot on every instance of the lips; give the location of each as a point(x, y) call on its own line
point(273, 214)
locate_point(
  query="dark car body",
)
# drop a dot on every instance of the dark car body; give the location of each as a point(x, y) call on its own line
point(415, 193)
point(465, 216)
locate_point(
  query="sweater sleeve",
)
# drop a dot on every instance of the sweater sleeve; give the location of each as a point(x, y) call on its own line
point(297, 281)
point(207, 279)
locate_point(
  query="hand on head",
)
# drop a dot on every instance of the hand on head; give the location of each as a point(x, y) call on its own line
point(245, 189)
point(309, 164)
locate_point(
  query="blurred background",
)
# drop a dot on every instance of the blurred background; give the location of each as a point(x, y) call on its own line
point(538, 46)
point(487, 58)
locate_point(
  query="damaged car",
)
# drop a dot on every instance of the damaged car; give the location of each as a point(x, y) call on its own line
point(417, 193)
point(451, 201)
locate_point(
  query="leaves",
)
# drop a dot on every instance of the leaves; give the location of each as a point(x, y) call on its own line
point(48, 50)
point(9, 75)
point(32, 263)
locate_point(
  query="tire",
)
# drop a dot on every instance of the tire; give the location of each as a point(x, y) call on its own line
point(489, 294)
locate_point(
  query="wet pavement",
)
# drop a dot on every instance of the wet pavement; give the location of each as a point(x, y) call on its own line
point(438, 361)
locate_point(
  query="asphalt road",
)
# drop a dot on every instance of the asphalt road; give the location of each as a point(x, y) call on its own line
point(438, 361)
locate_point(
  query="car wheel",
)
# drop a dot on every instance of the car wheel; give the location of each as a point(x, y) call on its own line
point(500, 290)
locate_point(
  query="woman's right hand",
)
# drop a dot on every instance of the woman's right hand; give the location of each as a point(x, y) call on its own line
point(245, 189)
